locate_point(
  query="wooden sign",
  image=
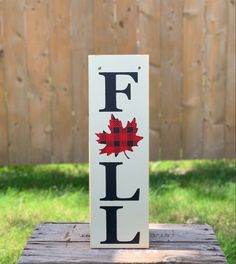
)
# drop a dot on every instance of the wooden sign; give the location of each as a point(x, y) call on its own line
point(119, 154)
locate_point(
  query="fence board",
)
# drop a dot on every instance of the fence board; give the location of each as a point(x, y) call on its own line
point(149, 43)
point(39, 81)
point(127, 24)
point(104, 21)
point(193, 75)
point(230, 113)
point(16, 82)
point(149, 30)
point(82, 44)
point(3, 108)
point(214, 125)
point(171, 40)
point(60, 69)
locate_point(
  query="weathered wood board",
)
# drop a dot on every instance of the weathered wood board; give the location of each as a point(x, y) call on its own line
point(169, 243)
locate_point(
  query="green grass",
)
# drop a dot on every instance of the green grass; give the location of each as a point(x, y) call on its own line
point(180, 192)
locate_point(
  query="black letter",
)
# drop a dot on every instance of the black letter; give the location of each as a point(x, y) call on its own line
point(111, 225)
point(111, 183)
point(110, 89)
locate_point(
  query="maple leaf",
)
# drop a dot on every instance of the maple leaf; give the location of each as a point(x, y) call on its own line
point(120, 139)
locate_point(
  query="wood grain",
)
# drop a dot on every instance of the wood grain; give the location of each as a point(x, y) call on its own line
point(82, 46)
point(3, 103)
point(16, 83)
point(230, 112)
point(158, 232)
point(60, 70)
point(169, 243)
point(39, 80)
point(193, 78)
point(149, 43)
point(104, 26)
point(171, 62)
point(214, 115)
point(127, 24)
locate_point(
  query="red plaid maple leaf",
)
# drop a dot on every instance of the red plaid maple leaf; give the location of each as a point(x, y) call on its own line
point(120, 139)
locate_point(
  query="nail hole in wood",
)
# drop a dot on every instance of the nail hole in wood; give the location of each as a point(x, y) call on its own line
point(121, 24)
point(19, 79)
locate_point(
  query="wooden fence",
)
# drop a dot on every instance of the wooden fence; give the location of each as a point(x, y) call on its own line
point(44, 46)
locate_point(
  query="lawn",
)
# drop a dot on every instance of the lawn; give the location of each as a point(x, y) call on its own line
point(180, 192)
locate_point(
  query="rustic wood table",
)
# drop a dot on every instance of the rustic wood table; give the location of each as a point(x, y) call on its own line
point(169, 243)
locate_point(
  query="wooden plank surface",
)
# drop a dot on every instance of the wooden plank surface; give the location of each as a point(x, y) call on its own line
point(171, 66)
point(230, 111)
point(16, 83)
point(104, 26)
point(158, 232)
point(214, 115)
point(193, 77)
point(82, 44)
point(169, 243)
point(3, 103)
point(149, 43)
point(60, 70)
point(39, 80)
point(127, 24)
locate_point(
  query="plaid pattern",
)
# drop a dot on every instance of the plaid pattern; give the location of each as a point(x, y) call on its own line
point(120, 139)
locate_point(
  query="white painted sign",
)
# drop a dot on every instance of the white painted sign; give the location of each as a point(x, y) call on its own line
point(119, 154)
